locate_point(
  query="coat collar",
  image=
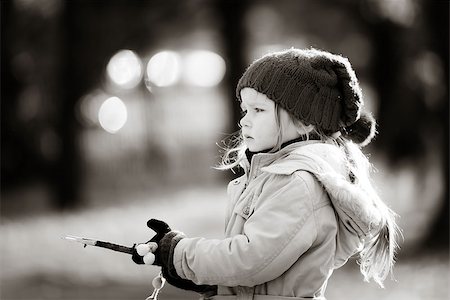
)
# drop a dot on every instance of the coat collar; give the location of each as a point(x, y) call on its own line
point(262, 159)
point(298, 157)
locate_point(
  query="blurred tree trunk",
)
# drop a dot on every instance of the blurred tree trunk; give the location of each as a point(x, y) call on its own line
point(32, 143)
point(66, 176)
point(232, 13)
point(437, 16)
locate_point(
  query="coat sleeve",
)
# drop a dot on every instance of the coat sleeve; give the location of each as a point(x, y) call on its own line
point(280, 229)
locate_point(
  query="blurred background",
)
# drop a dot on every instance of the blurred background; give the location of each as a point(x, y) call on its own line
point(113, 112)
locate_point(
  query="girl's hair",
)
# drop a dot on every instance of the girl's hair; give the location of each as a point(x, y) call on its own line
point(233, 152)
point(377, 256)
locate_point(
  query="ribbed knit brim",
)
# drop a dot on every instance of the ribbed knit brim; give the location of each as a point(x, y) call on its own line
point(314, 86)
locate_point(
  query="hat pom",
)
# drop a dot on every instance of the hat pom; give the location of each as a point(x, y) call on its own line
point(362, 131)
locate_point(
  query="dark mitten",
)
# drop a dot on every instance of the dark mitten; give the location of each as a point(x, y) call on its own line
point(166, 251)
point(161, 228)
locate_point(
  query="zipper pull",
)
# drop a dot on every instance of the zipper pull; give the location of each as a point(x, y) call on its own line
point(158, 283)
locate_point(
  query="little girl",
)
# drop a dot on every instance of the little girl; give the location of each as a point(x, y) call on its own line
point(305, 204)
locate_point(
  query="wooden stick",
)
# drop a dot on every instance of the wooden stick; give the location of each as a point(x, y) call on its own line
point(106, 245)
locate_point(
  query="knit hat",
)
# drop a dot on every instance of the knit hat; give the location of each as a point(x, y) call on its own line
point(314, 86)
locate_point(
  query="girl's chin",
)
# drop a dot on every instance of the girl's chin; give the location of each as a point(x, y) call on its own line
point(256, 148)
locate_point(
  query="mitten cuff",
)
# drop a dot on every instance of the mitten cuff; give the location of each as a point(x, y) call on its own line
point(167, 249)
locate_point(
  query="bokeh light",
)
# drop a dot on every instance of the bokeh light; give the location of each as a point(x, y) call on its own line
point(112, 114)
point(403, 12)
point(88, 107)
point(203, 68)
point(163, 69)
point(125, 69)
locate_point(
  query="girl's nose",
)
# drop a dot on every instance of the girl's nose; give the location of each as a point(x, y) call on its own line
point(244, 121)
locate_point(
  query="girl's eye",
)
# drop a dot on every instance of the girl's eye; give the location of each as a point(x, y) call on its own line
point(259, 110)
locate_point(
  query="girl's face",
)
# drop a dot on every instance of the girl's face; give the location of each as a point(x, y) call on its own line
point(259, 127)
